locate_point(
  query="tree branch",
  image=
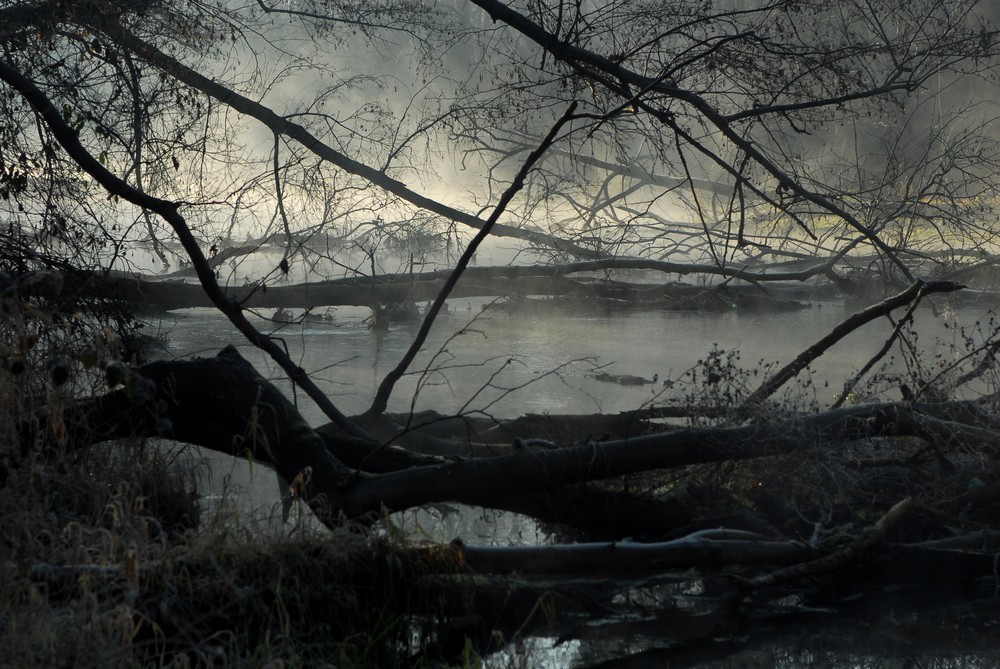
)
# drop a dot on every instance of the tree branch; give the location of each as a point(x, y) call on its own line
point(385, 388)
point(789, 371)
point(280, 125)
point(575, 56)
point(68, 139)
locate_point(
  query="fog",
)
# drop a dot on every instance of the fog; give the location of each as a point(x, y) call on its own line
point(713, 189)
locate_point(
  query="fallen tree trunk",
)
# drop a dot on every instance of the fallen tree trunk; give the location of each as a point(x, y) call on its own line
point(152, 293)
point(705, 548)
point(223, 404)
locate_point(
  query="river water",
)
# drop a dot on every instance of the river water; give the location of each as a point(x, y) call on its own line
point(486, 362)
point(474, 358)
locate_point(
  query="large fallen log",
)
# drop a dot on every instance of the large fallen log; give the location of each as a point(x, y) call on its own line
point(150, 292)
point(223, 404)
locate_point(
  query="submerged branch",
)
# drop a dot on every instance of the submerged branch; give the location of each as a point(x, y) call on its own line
point(552, 281)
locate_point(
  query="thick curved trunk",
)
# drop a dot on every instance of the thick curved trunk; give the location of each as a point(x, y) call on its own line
point(223, 404)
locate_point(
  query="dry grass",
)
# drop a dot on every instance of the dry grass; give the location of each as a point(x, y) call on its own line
point(105, 564)
point(108, 559)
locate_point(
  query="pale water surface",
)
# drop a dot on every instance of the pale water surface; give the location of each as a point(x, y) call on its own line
point(487, 362)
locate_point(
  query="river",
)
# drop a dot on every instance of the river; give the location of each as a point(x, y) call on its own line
point(485, 361)
point(472, 358)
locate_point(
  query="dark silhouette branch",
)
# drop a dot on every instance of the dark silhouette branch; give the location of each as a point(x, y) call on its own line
point(222, 403)
point(586, 61)
point(385, 388)
point(886, 345)
point(168, 211)
point(915, 291)
point(280, 125)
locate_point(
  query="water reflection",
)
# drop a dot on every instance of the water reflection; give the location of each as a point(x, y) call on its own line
point(679, 630)
point(473, 525)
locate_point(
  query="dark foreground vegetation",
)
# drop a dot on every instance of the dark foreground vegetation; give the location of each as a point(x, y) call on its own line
point(628, 155)
point(792, 522)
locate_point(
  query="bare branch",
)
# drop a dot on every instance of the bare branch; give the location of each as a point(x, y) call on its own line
point(385, 388)
point(791, 370)
point(167, 210)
